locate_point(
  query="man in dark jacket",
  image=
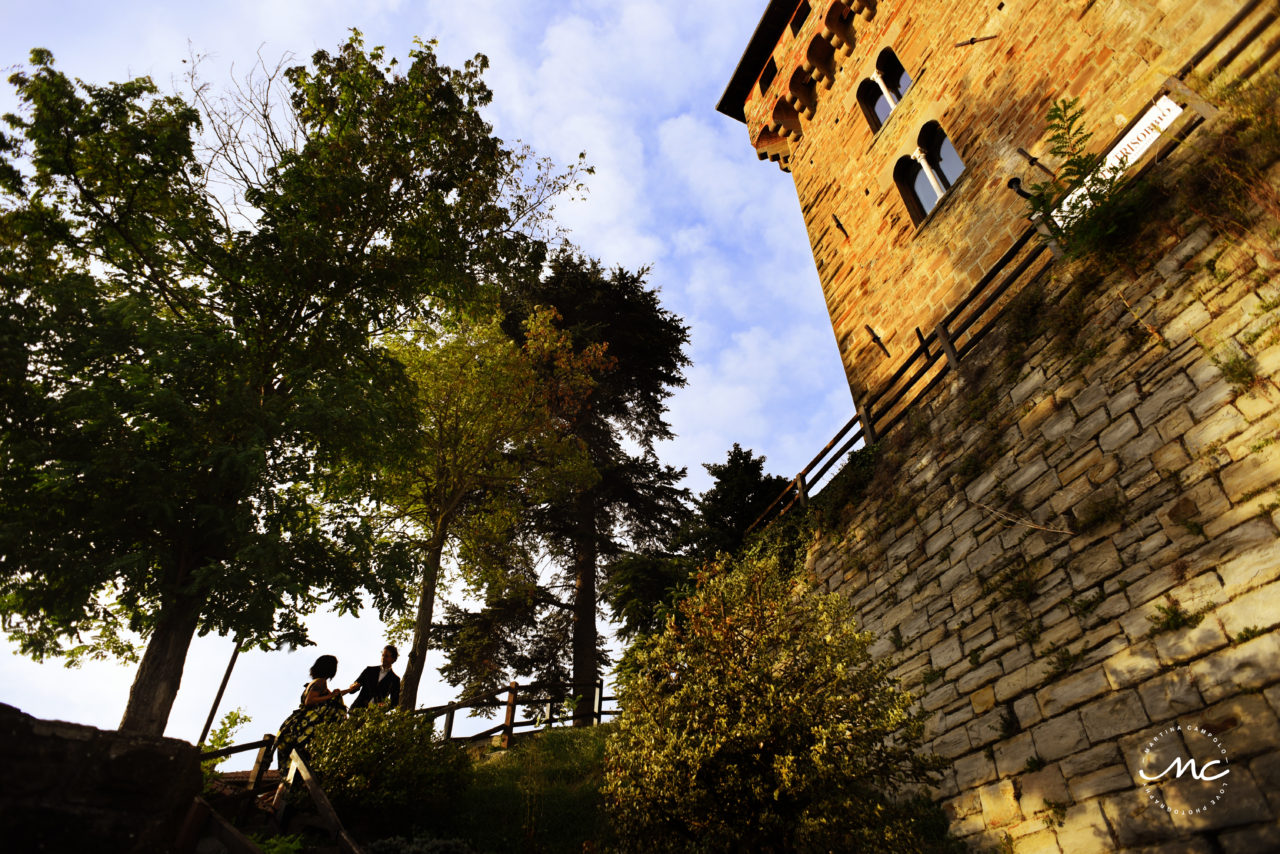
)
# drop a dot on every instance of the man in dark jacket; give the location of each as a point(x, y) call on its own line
point(378, 684)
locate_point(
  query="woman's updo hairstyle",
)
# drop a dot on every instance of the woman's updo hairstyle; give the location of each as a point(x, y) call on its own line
point(326, 667)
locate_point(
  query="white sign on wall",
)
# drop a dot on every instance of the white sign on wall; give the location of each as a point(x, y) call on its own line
point(1155, 121)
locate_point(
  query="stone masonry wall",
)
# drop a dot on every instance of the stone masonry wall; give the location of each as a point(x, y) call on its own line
point(1052, 537)
point(73, 788)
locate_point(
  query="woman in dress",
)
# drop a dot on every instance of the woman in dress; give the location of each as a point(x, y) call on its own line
point(318, 706)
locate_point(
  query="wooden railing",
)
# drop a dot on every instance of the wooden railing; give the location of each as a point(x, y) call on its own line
point(298, 768)
point(203, 820)
point(546, 698)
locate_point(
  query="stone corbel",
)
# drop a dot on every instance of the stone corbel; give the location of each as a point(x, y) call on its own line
point(820, 61)
point(786, 121)
point(802, 94)
point(837, 30)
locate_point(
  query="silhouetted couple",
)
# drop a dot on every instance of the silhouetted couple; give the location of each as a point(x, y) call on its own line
point(378, 685)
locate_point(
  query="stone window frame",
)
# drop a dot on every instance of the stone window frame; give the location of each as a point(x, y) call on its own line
point(926, 160)
point(878, 86)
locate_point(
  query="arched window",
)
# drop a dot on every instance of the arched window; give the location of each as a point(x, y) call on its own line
point(875, 107)
point(881, 92)
point(926, 174)
point(908, 174)
point(895, 77)
point(940, 154)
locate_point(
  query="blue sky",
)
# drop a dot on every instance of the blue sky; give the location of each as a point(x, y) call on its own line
point(633, 83)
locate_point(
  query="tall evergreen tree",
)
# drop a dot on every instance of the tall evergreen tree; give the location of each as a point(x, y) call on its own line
point(634, 499)
point(643, 585)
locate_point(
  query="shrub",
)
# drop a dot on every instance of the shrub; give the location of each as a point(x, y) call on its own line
point(541, 795)
point(759, 721)
point(388, 768)
point(1094, 209)
point(223, 735)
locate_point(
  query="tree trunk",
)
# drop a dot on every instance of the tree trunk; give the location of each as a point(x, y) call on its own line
point(586, 666)
point(417, 660)
point(156, 685)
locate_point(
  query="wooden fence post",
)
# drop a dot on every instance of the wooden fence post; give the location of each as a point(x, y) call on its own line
point(944, 338)
point(448, 722)
point(864, 415)
point(1049, 233)
point(598, 703)
point(260, 767)
point(803, 489)
point(508, 726)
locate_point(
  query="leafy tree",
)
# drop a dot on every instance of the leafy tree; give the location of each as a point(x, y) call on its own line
point(634, 499)
point(488, 438)
point(643, 585)
point(758, 721)
point(188, 342)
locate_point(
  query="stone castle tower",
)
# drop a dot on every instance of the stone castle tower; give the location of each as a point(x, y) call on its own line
point(1072, 550)
point(903, 122)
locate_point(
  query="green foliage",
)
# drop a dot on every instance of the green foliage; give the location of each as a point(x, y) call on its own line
point(1103, 511)
point(1171, 617)
point(1009, 723)
point(851, 482)
point(543, 623)
point(1030, 631)
point(222, 735)
point(1228, 187)
point(641, 587)
point(1248, 634)
point(1092, 209)
point(1062, 659)
point(287, 844)
point(386, 768)
point(1034, 763)
point(1056, 813)
point(1085, 605)
point(190, 341)
point(1238, 368)
point(759, 721)
point(541, 795)
point(489, 441)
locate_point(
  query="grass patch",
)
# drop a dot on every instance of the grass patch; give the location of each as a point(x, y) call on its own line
point(542, 795)
point(1248, 634)
point(1239, 369)
point(1172, 617)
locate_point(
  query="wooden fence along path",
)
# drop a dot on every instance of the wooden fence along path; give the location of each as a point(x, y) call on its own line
point(203, 820)
point(954, 337)
point(544, 699)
